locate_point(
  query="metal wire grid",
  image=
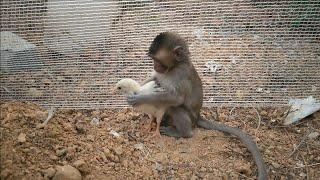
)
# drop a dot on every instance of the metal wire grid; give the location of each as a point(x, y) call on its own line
point(247, 52)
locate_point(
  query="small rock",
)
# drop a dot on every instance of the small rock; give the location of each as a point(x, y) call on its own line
point(102, 157)
point(244, 169)
point(95, 121)
point(193, 177)
point(53, 157)
point(118, 150)
point(89, 147)
point(313, 135)
point(116, 159)
point(81, 166)
point(8, 162)
point(203, 169)
point(71, 150)
point(114, 133)
point(5, 173)
point(263, 113)
point(78, 163)
point(80, 127)
point(125, 163)
point(61, 152)
point(49, 173)
point(161, 157)
point(275, 165)
point(96, 113)
point(139, 146)
point(106, 150)
point(40, 126)
point(22, 138)
point(303, 174)
point(67, 172)
point(90, 138)
point(135, 117)
point(67, 127)
point(108, 154)
point(158, 167)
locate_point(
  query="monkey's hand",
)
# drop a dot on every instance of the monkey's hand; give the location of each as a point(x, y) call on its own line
point(137, 99)
point(132, 99)
point(155, 95)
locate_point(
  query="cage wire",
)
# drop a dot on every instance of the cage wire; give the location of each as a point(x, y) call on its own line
point(70, 53)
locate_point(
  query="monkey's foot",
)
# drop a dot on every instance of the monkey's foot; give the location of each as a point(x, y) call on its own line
point(169, 131)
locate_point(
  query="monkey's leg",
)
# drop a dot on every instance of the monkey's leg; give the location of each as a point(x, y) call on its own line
point(181, 121)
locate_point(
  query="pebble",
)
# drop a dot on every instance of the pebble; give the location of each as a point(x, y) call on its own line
point(116, 159)
point(161, 157)
point(90, 138)
point(118, 150)
point(80, 127)
point(313, 135)
point(53, 157)
point(203, 169)
point(67, 172)
point(95, 122)
point(49, 173)
point(158, 167)
point(244, 169)
point(108, 154)
point(106, 150)
point(67, 127)
point(61, 152)
point(5, 173)
point(275, 165)
point(125, 163)
point(193, 177)
point(81, 166)
point(263, 113)
point(22, 138)
point(96, 113)
point(71, 150)
point(139, 146)
point(8, 162)
point(40, 126)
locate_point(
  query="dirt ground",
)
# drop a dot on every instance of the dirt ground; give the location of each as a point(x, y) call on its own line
point(110, 144)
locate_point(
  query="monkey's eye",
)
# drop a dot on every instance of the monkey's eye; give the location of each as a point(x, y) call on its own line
point(119, 88)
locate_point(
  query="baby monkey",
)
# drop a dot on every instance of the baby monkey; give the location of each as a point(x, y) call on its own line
point(155, 111)
point(180, 88)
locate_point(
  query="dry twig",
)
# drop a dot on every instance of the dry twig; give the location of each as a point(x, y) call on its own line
point(259, 120)
point(309, 165)
point(50, 115)
point(305, 165)
point(304, 138)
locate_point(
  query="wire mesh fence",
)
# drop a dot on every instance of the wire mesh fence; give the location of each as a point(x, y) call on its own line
point(70, 53)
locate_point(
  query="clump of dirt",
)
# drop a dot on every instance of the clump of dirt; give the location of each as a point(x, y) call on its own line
point(110, 144)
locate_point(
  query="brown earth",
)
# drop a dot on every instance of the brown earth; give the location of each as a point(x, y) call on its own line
point(29, 151)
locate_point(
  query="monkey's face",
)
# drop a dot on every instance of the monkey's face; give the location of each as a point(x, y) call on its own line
point(163, 60)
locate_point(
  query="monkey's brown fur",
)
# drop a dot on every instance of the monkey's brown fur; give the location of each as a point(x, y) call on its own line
point(181, 89)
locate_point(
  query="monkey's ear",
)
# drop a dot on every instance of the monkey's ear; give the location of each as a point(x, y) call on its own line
point(178, 51)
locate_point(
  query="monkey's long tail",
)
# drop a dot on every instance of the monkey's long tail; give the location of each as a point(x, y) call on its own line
point(245, 138)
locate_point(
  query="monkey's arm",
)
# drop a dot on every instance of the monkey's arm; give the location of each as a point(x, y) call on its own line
point(152, 78)
point(156, 95)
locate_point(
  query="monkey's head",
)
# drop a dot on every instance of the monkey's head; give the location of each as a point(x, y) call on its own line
point(167, 50)
point(126, 86)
